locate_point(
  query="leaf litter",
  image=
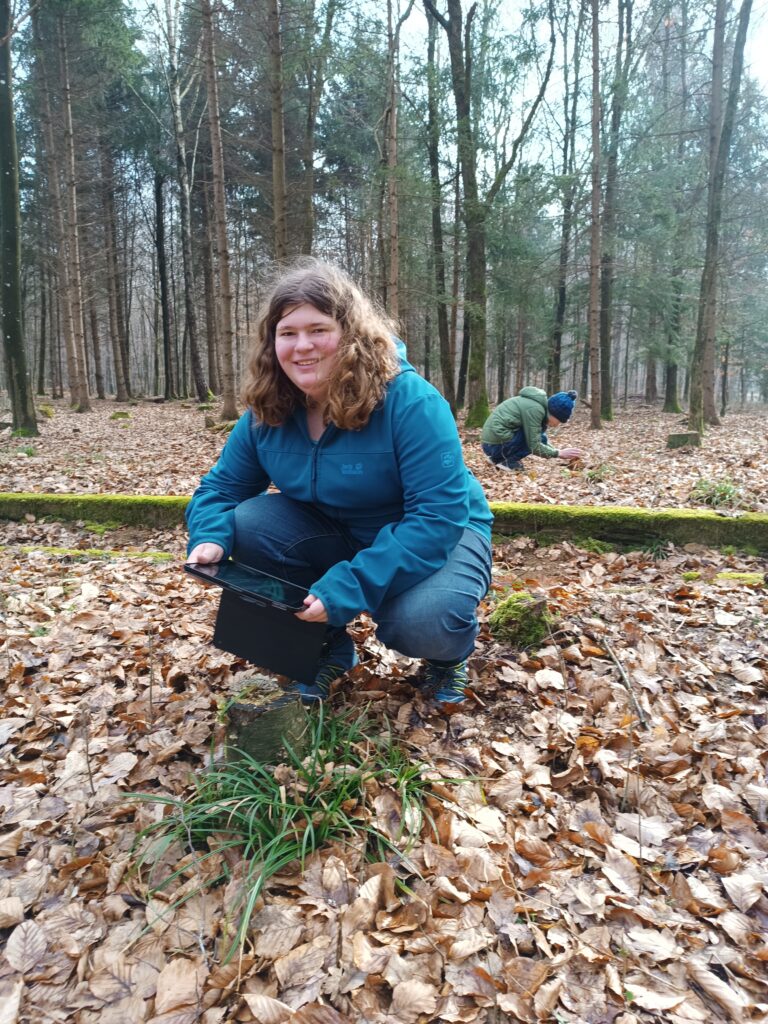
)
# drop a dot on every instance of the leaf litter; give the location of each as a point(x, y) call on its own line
point(607, 861)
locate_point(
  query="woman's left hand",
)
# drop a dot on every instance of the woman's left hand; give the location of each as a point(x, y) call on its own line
point(314, 610)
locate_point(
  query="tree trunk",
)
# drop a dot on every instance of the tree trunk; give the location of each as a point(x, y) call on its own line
point(226, 334)
point(279, 200)
point(23, 416)
point(185, 211)
point(315, 83)
point(43, 341)
point(702, 401)
point(117, 329)
point(98, 371)
point(82, 403)
point(594, 243)
point(447, 367)
point(570, 111)
point(608, 224)
point(169, 387)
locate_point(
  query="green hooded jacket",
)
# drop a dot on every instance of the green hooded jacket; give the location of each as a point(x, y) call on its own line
point(527, 410)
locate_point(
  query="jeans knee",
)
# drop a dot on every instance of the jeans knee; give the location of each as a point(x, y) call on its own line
point(447, 636)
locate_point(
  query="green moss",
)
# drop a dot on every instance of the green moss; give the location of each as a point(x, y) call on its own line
point(520, 619)
point(84, 554)
point(148, 510)
point(120, 414)
point(597, 547)
point(689, 577)
point(749, 579)
point(101, 528)
point(634, 527)
point(46, 411)
point(204, 406)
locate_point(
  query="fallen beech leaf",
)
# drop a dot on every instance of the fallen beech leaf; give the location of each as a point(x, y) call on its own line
point(744, 889)
point(26, 947)
point(180, 983)
point(267, 1010)
point(11, 990)
point(11, 911)
point(411, 999)
point(723, 859)
point(723, 994)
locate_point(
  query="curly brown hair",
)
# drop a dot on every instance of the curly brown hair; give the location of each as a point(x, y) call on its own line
point(366, 359)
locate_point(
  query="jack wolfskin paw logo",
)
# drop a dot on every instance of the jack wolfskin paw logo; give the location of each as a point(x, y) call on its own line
point(352, 468)
point(447, 459)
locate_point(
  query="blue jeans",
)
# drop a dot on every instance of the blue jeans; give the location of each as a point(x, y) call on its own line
point(511, 452)
point(435, 619)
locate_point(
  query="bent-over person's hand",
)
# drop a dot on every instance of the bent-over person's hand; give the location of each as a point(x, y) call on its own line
point(204, 554)
point(569, 454)
point(314, 610)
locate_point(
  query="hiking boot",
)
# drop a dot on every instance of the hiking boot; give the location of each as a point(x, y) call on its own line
point(337, 657)
point(446, 682)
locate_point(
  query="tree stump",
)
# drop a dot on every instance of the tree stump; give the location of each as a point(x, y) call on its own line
point(263, 719)
point(690, 440)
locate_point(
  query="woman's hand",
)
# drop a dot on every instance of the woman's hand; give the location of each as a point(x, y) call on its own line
point(204, 554)
point(569, 454)
point(314, 610)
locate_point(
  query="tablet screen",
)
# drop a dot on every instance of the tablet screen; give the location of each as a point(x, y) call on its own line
point(250, 583)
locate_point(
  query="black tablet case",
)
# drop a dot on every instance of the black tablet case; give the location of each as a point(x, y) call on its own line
point(268, 637)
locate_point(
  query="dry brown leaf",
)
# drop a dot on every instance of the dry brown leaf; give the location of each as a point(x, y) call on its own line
point(11, 990)
point(267, 1010)
point(723, 994)
point(411, 999)
point(621, 872)
point(26, 947)
point(181, 983)
point(743, 888)
point(11, 911)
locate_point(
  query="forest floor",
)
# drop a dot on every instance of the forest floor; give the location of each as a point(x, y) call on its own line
point(605, 862)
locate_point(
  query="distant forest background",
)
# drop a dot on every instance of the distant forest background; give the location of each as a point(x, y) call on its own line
point(565, 193)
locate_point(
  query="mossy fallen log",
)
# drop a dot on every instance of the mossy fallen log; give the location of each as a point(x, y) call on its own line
point(637, 527)
point(155, 510)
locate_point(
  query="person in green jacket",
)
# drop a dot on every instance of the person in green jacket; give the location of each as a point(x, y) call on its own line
point(517, 428)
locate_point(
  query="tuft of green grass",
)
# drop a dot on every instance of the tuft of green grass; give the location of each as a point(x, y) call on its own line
point(272, 820)
point(46, 411)
point(28, 450)
point(716, 493)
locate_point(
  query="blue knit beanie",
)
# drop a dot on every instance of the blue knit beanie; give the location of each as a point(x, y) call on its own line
point(561, 405)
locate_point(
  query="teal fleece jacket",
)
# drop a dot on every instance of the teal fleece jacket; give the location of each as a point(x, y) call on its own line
point(528, 409)
point(399, 485)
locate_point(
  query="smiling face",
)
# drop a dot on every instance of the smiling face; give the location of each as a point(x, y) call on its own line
point(306, 341)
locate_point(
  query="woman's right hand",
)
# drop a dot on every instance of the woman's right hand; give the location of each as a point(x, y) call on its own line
point(569, 454)
point(204, 554)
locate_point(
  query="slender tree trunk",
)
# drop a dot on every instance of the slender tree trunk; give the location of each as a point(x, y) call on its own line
point(570, 111)
point(447, 358)
point(169, 387)
point(114, 291)
point(73, 230)
point(724, 379)
point(315, 83)
point(23, 415)
point(226, 335)
point(721, 130)
point(208, 257)
point(279, 188)
point(594, 243)
point(185, 221)
point(608, 224)
point(98, 371)
point(43, 340)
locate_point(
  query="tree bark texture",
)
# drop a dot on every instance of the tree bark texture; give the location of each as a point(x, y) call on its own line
point(226, 335)
point(23, 415)
point(594, 243)
point(279, 197)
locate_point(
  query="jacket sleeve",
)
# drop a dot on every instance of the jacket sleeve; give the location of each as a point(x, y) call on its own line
point(435, 486)
point(533, 427)
point(237, 475)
